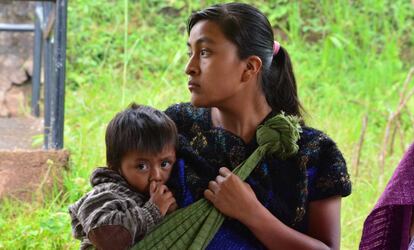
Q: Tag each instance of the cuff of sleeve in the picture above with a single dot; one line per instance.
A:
(342, 188)
(152, 211)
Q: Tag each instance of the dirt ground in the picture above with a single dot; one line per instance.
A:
(27, 175)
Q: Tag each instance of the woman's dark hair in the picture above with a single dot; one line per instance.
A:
(251, 32)
(138, 128)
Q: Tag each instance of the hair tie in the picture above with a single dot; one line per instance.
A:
(276, 47)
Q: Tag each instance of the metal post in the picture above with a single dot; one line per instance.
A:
(37, 60)
(48, 75)
(54, 54)
(60, 70)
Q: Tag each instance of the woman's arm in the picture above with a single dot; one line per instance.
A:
(237, 200)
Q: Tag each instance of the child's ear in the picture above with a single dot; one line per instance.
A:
(120, 172)
(253, 67)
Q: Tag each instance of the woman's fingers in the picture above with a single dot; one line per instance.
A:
(220, 179)
(228, 192)
(213, 186)
(209, 195)
(225, 172)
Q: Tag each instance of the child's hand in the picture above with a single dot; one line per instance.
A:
(172, 208)
(161, 197)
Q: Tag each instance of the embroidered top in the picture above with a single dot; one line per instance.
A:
(284, 187)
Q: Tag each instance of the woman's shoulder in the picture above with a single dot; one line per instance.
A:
(326, 167)
(185, 114)
(318, 148)
(311, 138)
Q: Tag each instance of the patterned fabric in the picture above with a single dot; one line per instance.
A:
(194, 226)
(284, 187)
(112, 202)
(388, 225)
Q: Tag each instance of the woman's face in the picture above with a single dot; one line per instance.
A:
(214, 68)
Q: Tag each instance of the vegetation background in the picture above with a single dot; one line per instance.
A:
(351, 59)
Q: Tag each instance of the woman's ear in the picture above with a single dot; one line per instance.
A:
(253, 67)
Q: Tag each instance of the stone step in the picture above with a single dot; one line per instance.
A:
(18, 132)
(30, 174)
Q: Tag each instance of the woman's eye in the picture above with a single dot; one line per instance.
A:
(204, 52)
(165, 164)
(189, 53)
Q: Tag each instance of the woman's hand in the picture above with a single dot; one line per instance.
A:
(231, 196)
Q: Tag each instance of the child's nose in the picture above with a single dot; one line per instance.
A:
(156, 174)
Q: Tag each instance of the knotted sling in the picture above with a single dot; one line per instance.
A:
(194, 226)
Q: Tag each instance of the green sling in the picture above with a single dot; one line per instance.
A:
(194, 226)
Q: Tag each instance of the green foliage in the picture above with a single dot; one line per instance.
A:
(350, 59)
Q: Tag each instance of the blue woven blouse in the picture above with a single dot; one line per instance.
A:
(284, 187)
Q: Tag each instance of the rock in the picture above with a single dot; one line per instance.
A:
(16, 52)
(18, 76)
(28, 66)
(5, 83)
(16, 102)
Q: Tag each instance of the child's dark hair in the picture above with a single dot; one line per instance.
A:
(247, 28)
(140, 128)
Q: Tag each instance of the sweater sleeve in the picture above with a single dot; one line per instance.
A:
(110, 208)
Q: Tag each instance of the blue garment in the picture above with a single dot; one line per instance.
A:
(284, 187)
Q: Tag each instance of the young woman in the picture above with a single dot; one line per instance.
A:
(238, 78)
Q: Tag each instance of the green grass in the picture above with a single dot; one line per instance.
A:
(350, 60)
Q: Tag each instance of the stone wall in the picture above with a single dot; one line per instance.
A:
(16, 52)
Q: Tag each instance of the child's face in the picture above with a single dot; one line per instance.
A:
(139, 169)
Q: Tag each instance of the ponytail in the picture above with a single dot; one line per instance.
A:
(279, 85)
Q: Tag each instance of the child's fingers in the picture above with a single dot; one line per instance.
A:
(173, 202)
(163, 189)
(153, 187)
(168, 195)
(173, 206)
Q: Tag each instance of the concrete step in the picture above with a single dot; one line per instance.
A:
(18, 132)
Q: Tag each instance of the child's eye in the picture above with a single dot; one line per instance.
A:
(165, 164)
(142, 166)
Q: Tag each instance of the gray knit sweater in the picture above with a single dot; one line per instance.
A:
(112, 201)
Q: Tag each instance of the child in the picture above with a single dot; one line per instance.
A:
(129, 196)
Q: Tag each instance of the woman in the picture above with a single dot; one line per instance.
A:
(238, 78)
(390, 225)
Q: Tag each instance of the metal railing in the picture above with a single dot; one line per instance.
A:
(50, 43)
